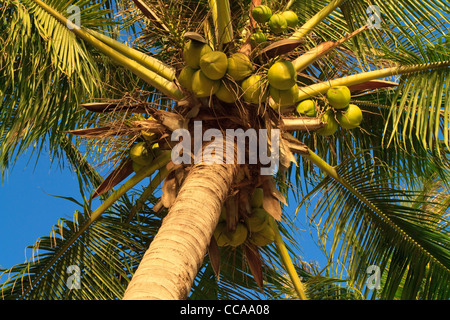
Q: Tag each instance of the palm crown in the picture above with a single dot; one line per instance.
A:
(381, 148)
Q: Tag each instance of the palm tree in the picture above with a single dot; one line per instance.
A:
(381, 184)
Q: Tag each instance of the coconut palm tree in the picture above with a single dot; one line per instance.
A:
(381, 174)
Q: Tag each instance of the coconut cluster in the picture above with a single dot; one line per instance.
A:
(337, 111)
(231, 77)
(145, 150)
(256, 228)
(208, 72)
(277, 22)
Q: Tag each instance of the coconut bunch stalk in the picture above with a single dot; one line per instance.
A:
(152, 77)
(221, 16)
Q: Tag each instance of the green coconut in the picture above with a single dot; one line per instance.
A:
(277, 23)
(339, 97)
(307, 107)
(351, 117)
(282, 75)
(228, 91)
(239, 235)
(223, 238)
(330, 126)
(193, 51)
(148, 136)
(185, 77)
(257, 220)
(136, 166)
(261, 13)
(257, 38)
(256, 200)
(140, 154)
(214, 64)
(263, 237)
(253, 89)
(284, 98)
(291, 18)
(239, 66)
(202, 86)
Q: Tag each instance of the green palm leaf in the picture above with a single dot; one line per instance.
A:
(376, 223)
(44, 73)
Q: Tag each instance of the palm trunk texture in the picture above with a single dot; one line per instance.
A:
(174, 257)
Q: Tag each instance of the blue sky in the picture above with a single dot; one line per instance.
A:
(27, 210)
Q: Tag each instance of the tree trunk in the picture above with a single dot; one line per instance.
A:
(174, 257)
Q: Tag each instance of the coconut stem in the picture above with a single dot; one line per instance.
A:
(289, 4)
(287, 262)
(321, 88)
(158, 163)
(221, 16)
(147, 61)
(322, 49)
(225, 28)
(314, 21)
(150, 14)
(301, 124)
(323, 165)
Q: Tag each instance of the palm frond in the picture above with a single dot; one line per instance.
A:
(45, 72)
(410, 35)
(421, 103)
(375, 222)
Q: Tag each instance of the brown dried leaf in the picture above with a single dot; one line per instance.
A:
(271, 200)
(280, 47)
(180, 175)
(275, 192)
(294, 144)
(373, 84)
(104, 107)
(100, 132)
(150, 14)
(115, 177)
(195, 36)
(214, 256)
(158, 207)
(286, 155)
(99, 106)
(232, 207)
(168, 119)
(149, 125)
(254, 262)
(244, 202)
